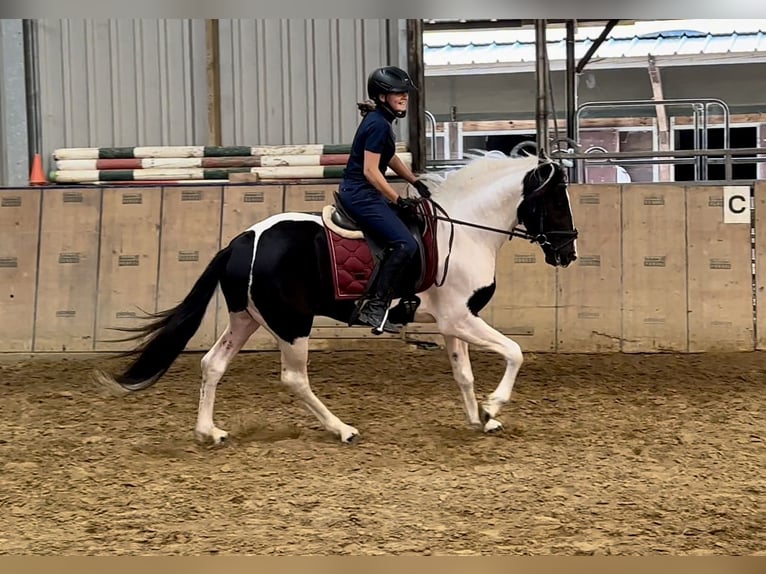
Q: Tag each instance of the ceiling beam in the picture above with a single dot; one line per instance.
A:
(595, 46)
(491, 24)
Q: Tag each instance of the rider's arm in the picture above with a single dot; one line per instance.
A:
(375, 177)
(401, 169)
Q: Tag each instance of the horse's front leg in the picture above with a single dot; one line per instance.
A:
(476, 331)
(457, 350)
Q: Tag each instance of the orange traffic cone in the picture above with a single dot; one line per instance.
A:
(37, 177)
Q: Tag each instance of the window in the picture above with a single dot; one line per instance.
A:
(739, 137)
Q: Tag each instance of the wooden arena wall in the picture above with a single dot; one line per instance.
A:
(659, 267)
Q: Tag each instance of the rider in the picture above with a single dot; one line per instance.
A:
(369, 198)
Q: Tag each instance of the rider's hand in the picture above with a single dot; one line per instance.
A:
(408, 202)
(422, 189)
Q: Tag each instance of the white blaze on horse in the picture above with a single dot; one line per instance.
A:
(287, 269)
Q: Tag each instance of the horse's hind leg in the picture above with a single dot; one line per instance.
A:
(214, 365)
(295, 376)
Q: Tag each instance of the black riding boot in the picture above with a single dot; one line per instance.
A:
(372, 309)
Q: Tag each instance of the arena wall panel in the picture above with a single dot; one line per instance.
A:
(129, 258)
(19, 235)
(654, 268)
(68, 272)
(720, 275)
(589, 317)
(309, 198)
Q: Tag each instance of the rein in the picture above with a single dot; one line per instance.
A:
(515, 232)
(541, 238)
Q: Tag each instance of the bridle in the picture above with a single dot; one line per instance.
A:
(542, 238)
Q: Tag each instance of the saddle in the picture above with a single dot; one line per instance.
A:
(354, 254)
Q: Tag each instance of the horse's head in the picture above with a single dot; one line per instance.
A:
(546, 214)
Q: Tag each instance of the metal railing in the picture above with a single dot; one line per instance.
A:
(596, 156)
(432, 120)
(701, 157)
(700, 111)
(729, 157)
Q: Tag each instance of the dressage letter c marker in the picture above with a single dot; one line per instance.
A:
(736, 204)
(731, 204)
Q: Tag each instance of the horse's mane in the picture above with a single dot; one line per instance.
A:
(481, 166)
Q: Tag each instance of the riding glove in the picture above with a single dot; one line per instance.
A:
(407, 202)
(422, 189)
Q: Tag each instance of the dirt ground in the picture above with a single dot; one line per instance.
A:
(613, 454)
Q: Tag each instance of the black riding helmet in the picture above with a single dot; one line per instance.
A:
(389, 80)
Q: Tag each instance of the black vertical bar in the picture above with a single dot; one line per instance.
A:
(32, 81)
(541, 69)
(417, 106)
(571, 89)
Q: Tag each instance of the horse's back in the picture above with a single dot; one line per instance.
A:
(288, 216)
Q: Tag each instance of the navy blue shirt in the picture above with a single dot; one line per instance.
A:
(375, 134)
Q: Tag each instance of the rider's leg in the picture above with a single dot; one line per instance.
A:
(378, 218)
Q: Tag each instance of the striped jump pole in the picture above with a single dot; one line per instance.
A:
(106, 175)
(203, 151)
(210, 162)
(200, 174)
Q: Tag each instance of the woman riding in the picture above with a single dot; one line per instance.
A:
(367, 197)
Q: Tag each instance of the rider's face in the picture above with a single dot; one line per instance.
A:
(398, 102)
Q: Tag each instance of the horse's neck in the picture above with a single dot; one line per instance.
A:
(488, 210)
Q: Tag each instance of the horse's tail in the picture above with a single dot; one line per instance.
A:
(167, 336)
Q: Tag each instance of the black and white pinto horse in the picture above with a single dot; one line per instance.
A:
(275, 275)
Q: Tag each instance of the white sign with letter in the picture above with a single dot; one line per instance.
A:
(736, 204)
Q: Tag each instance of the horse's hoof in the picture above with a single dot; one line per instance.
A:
(484, 415)
(216, 437)
(349, 435)
(493, 426)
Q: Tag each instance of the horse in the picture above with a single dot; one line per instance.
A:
(280, 273)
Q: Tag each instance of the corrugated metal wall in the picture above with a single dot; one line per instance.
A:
(122, 82)
(14, 165)
(297, 81)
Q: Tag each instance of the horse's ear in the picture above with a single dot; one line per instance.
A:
(546, 171)
(540, 177)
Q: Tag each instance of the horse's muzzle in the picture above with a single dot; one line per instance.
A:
(559, 259)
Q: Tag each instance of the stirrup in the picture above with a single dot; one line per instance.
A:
(353, 319)
(385, 326)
